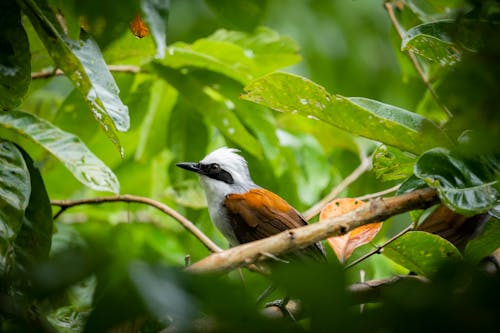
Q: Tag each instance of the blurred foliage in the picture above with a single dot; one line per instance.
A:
(213, 73)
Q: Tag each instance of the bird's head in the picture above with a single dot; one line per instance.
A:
(222, 172)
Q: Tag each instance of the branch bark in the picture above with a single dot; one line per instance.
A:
(188, 225)
(376, 210)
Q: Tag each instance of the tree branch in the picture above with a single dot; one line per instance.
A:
(390, 11)
(188, 225)
(362, 168)
(112, 68)
(376, 210)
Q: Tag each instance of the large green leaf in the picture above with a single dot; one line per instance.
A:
(66, 147)
(372, 119)
(83, 63)
(421, 252)
(465, 184)
(14, 190)
(214, 107)
(487, 242)
(156, 16)
(392, 164)
(239, 14)
(32, 244)
(433, 42)
(237, 55)
(15, 66)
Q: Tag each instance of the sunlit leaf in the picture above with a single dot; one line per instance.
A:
(15, 190)
(487, 242)
(15, 66)
(372, 119)
(83, 64)
(66, 147)
(421, 252)
(392, 164)
(237, 55)
(156, 15)
(465, 184)
(433, 42)
(344, 245)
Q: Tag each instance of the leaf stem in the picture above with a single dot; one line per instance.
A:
(112, 68)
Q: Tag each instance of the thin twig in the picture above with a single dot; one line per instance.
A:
(390, 11)
(112, 68)
(362, 168)
(188, 225)
(378, 194)
(379, 248)
(294, 239)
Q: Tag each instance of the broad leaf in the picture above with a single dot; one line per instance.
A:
(237, 55)
(487, 242)
(239, 14)
(66, 147)
(15, 66)
(32, 244)
(433, 42)
(14, 190)
(465, 184)
(372, 119)
(344, 245)
(156, 15)
(83, 64)
(392, 164)
(421, 252)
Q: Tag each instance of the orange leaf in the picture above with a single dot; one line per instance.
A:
(138, 27)
(344, 245)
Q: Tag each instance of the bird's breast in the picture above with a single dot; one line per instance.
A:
(220, 218)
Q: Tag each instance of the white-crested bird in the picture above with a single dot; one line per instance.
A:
(239, 208)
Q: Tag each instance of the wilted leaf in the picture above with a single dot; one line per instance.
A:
(156, 15)
(15, 66)
(374, 120)
(83, 64)
(392, 164)
(487, 242)
(421, 252)
(138, 27)
(66, 147)
(15, 190)
(465, 184)
(344, 245)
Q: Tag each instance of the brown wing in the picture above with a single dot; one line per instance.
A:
(260, 213)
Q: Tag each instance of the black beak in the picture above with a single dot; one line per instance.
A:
(190, 166)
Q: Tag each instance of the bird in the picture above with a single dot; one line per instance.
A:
(242, 210)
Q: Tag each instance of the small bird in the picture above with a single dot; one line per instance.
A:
(239, 208)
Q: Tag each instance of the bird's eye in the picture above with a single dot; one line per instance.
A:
(214, 167)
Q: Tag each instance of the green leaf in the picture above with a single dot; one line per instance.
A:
(237, 55)
(83, 64)
(14, 190)
(487, 242)
(372, 119)
(32, 244)
(66, 147)
(465, 184)
(421, 252)
(432, 9)
(214, 107)
(433, 42)
(156, 16)
(392, 164)
(15, 66)
(239, 14)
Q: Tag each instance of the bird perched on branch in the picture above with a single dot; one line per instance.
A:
(239, 208)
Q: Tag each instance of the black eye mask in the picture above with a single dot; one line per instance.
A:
(214, 171)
